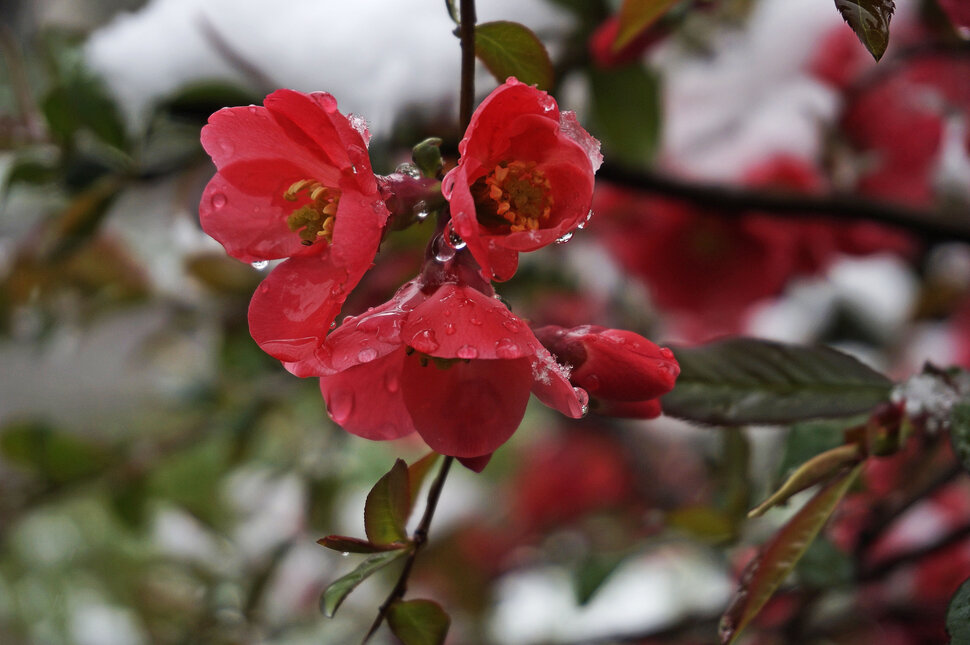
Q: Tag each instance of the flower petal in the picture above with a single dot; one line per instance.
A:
(551, 385)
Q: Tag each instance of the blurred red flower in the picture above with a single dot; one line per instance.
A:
(524, 178)
(294, 181)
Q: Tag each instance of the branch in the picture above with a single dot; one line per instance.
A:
(418, 540)
(931, 225)
(467, 33)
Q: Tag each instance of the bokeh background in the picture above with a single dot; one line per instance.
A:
(163, 481)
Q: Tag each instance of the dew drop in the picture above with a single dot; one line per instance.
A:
(333, 325)
(367, 354)
(218, 200)
(666, 353)
(424, 341)
(409, 169)
(467, 352)
(506, 348)
(585, 221)
(476, 321)
(565, 238)
(259, 265)
(583, 398)
(341, 405)
(511, 325)
(450, 329)
(345, 553)
(443, 252)
(327, 102)
(420, 210)
(452, 238)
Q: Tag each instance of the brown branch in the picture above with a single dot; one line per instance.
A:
(467, 33)
(931, 225)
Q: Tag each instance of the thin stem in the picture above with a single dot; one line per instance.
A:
(932, 225)
(467, 33)
(418, 540)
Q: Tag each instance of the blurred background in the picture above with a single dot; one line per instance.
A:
(163, 481)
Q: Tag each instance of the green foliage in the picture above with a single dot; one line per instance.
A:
(869, 19)
(805, 440)
(55, 455)
(746, 381)
(960, 431)
(388, 506)
(593, 571)
(958, 615)
(510, 49)
(335, 594)
(626, 112)
(418, 622)
(824, 565)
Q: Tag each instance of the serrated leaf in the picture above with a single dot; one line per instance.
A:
(335, 594)
(746, 381)
(869, 20)
(418, 622)
(417, 473)
(777, 558)
(814, 471)
(960, 432)
(635, 16)
(510, 49)
(388, 506)
(626, 112)
(958, 615)
(346, 544)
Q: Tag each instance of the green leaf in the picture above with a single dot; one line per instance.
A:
(511, 49)
(958, 615)
(592, 572)
(452, 7)
(80, 101)
(334, 595)
(55, 455)
(960, 432)
(869, 20)
(417, 473)
(743, 381)
(636, 16)
(626, 112)
(193, 103)
(703, 522)
(824, 565)
(418, 622)
(814, 471)
(777, 558)
(805, 440)
(388, 506)
(346, 544)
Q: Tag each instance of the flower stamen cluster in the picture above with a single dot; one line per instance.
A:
(515, 192)
(315, 219)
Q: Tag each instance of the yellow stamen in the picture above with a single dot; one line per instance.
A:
(515, 194)
(315, 219)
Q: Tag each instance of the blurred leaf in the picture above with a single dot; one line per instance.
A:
(129, 500)
(418, 622)
(30, 171)
(195, 102)
(452, 7)
(334, 595)
(626, 111)
(814, 471)
(958, 615)
(221, 273)
(824, 565)
(777, 558)
(83, 215)
(703, 522)
(189, 476)
(55, 455)
(346, 544)
(592, 572)
(417, 473)
(511, 49)
(960, 432)
(869, 20)
(743, 381)
(387, 507)
(805, 440)
(636, 16)
(80, 101)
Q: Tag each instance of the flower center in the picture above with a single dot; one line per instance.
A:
(313, 220)
(516, 194)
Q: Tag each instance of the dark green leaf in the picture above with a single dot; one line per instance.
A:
(388, 506)
(777, 558)
(960, 432)
(593, 571)
(195, 102)
(869, 20)
(418, 622)
(958, 615)
(334, 595)
(452, 7)
(824, 565)
(816, 470)
(417, 472)
(55, 455)
(626, 112)
(511, 49)
(346, 544)
(805, 440)
(30, 171)
(743, 381)
(81, 102)
(636, 16)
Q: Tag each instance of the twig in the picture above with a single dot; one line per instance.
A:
(467, 32)
(932, 225)
(418, 540)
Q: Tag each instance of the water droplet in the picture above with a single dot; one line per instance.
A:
(467, 352)
(424, 341)
(583, 224)
(511, 324)
(583, 398)
(409, 169)
(565, 238)
(333, 325)
(218, 200)
(592, 383)
(452, 238)
(391, 382)
(666, 353)
(507, 348)
(353, 169)
(367, 354)
(420, 210)
(443, 252)
(345, 553)
(259, 265)
(476, 321)
(450, 329)
(341, 405)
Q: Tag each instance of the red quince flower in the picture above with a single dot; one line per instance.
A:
(294, 181)
(524, 178)
(607, 57)
(622, 372)
(446, 360)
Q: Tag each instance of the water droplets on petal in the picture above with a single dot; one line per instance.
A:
(260, 265)
(565, 237)
(585, 221)
(367, 354)
(450, 329)
(467, 352)
(341, 405)
(218, 200)
(425, 341)
(452, 238)
(507, 348)
(409, 169)
(583, 399)
(443, 252)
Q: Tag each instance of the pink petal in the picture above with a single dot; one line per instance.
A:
(551, 385)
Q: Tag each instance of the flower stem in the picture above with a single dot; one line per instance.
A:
(467, 33)
(418, 540)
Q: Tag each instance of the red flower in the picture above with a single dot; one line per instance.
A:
(524, 179)
(294, 181)
(447, 361)
(601, 43)
(623, 372)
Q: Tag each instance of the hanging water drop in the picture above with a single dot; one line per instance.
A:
(420, 210)
(585, 221)
(452, 238)
(341, 405)
(409, 169)
(583, 399)
(443, 252)
(666, 353)
(565, 238)
(259, 265)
